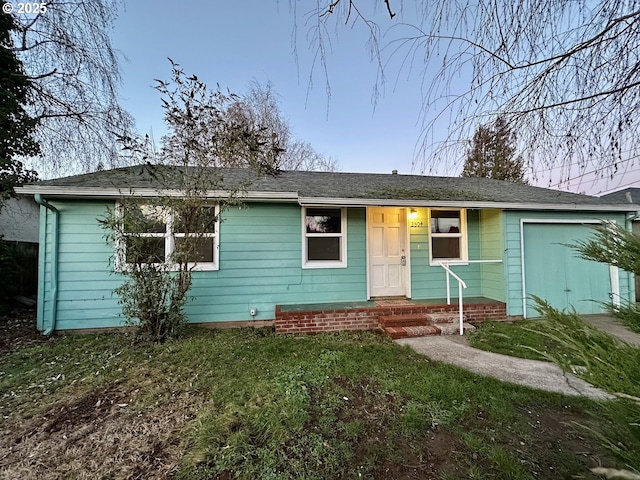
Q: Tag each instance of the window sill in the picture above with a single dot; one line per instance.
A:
(454, 262)
(204, 268)
(316, 265)
(194, 268)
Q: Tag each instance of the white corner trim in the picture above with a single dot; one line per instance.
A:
(614, 276)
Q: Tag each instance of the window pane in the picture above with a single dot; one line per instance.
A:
(145, 249)
(202, 220)
(144, 219)
(196, 249)
(445, 221)
(323, 248)
(445, 247)
(323, 220)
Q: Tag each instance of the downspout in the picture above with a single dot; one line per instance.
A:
(54, 264)
(630, 276)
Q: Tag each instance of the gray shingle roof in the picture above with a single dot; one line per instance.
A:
(338, 185)
(621, 196)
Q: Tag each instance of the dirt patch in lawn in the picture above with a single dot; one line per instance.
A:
(555, 445)
(427, 456)
(558, 434)
(98, 435)
(424, 458)
(18, 330)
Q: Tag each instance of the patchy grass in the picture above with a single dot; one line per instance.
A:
(251, 404)
(572, 343)
(579, 348)
(521, 338)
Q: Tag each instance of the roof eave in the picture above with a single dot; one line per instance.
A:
(272, 196)
(101, 193)
(372, 202)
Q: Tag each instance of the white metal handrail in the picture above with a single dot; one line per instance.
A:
(461, 284)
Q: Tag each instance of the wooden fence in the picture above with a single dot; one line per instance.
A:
(23, 277)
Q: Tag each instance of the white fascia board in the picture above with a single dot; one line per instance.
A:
(372, 202)
(92, 192)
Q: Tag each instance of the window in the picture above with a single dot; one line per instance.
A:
(153, 234)
(203, 249)
(448, 235)
(324, 238)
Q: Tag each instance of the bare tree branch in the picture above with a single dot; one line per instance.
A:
(68, 55)
(565, 75)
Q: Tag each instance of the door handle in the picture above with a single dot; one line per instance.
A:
(403, 260)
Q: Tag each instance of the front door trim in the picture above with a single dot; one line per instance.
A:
(407, 250)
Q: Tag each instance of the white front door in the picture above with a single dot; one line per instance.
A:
(387, 255)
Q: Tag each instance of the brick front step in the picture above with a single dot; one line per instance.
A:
(405, 332)
(426, 330)
(407, 320)
(446, 317)
(335, 317)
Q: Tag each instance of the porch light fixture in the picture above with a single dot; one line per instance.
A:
(413, 214)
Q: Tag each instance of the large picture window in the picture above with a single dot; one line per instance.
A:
(448, 230)
(324, 237)
(154, 234)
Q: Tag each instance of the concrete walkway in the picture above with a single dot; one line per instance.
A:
(531, 373)
(613, 327)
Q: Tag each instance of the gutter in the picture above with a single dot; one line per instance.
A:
(97, 192)
(277, 196)
(372, 202)
(54, 264)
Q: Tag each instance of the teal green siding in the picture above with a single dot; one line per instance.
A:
(429, 282)
(260, 266)
(84, 279)
(575, 280)
(492, 248)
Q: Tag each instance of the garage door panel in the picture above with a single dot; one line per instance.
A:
(554, 273)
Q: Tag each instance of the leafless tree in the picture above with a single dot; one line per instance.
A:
(564, 74)
(260, 106)
(69, 57)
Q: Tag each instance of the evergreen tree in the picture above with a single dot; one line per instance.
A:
(16, 126)
(493, 155)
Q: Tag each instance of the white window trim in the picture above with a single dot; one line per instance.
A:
(464, 239)
(342, 235)
(169, 245)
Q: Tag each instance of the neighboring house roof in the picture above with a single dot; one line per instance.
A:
(332, 188)
(627, 195)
